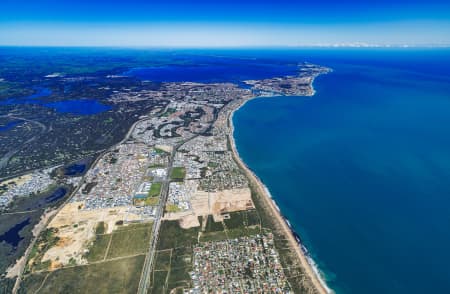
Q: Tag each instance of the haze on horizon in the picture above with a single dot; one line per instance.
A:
(231, 23)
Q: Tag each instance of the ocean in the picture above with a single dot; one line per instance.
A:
(362, 169)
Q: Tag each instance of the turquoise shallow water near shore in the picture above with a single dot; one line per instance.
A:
(362, 169)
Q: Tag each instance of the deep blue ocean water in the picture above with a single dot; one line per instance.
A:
(209, 70)
(362, 169)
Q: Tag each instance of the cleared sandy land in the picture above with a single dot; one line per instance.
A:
(215, 203)
(231, 200)
(189, 221)
(76, 229)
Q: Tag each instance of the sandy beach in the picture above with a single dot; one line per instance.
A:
(309, 268)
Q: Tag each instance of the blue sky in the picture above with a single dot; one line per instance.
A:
(218, 23)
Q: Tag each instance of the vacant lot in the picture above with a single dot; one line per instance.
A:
(77, 228)
(158, 285)
(178, 174)
(98, 249)
(163, 260)
(130, 241)
(173, 236)
(115, 265)
(117, 276)
(173, 259)
(155, 190)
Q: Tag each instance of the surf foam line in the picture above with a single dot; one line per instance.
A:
(312, 263)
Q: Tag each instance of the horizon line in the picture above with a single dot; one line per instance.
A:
(331, 46)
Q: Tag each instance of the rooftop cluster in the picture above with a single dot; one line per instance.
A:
(243, 265)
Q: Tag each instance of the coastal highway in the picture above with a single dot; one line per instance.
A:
(144, 282)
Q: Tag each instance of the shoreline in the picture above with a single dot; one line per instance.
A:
(310, 267)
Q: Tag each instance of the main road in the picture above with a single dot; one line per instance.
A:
(144, 283)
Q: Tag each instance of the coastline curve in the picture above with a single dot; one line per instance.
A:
(306, 260)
